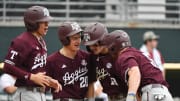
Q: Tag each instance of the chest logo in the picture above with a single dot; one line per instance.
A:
(37, 47)
(63, 66)
(108, 65)
(83, 62)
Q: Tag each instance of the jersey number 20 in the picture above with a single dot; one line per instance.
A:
(83, 82)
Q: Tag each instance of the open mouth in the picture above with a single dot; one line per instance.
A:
(46, 29)
(77, 45)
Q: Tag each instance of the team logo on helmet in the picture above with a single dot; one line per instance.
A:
(86, 37)
(124, 35)
(63, 66)
(75, 26)
(46, 12)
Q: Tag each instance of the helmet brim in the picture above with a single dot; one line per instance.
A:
(88, 43)
(45, 19)
(74, 32)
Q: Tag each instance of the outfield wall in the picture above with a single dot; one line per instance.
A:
(168, 43)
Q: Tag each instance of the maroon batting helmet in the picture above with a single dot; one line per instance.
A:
(68, 29)
(116, 41)
(35, 14)
(94, 33)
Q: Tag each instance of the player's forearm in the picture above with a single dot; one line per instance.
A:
(134, 80)
(15, 71)
(10, 89)
(90, 93)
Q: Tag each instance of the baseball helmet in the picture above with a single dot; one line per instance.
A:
(67, 29)
(36, 14)
(94, 33)
(116, 41)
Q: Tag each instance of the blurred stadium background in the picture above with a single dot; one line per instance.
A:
(134, 16)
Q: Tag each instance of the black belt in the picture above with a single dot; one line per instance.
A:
(157, 86)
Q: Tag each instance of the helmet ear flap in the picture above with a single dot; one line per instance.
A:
(31, 27)
(112, 49)
(36, 26)
(66, 41)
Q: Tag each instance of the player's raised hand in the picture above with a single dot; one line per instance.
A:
(55, 84)
(40, 79)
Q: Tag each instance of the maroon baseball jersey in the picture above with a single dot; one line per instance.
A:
(105, 72)
(71, 73)
(150, 73)
(26, 53)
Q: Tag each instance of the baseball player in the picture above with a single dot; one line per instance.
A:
(26, 58)
(69, 65)
(139, 72)
(93, 35)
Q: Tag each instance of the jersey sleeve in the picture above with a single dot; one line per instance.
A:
(17, 53)
(124, 64)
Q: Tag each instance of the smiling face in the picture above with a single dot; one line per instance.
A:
(75, 42)
(43, 28)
